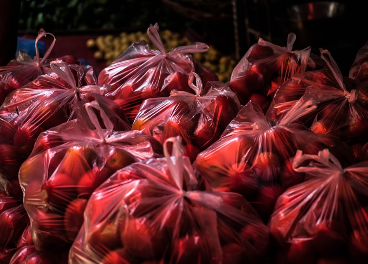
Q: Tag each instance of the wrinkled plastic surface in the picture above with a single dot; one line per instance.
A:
(198, 120)
(159, 211)
(323, 220)
(253, 156)
(46, 102)
(141, 73)
(67, 164)
(264, 67)
(24, 69)
(30, 255)
(342, 102)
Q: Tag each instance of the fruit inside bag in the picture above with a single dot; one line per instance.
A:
(159, 211)
(46, 102)
(253, 157)
(264, 68)
(342, 102)
(67, 164)
(141, 73)
(198, 119)
(24, 69)
(30, 255)
(359, 69)
(323, 220)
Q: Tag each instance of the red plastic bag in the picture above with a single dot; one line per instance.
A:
(24, 69)
(325, 219)
(30, 255)
(198, 119)
(67, 164)
(359, 69)
(140, 73)
(342, 102)
(159, 211)
(253, 156)
(264, 68)
(46, 102)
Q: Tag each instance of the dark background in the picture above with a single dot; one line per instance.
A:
(231, 26)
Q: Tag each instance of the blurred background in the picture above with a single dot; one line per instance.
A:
(97, 31)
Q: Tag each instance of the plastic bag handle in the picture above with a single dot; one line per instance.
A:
(290, 41)
(153, 35)
(298, 111)
(331, 63)
(324, 157)
(42, 33)
(175, 160)
(196, 48)
(64, 72)
(198, 87)
(93, 118)
(289, 44)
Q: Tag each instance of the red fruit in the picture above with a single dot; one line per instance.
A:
(289, 177)
(118, 256)
(357, 149)
(266, 165)
(59, 190)
(47, 141)
(26, 238)
(22, 253)
(69, 59)
(261, 100)
(40, 258)
(12, 223)
(178, 125)
(48, 231)
(142, 239)
(177, 81)
(234, 253)
(191, 152)
(52, 114)
(190, 249)
(25, 138)
(320, 127)
(257, 52)
(204, 73)
(206, 133)
(105, 236)
(9, 161)
(265, 200)
(55, 158)
(328, 241)
(75, 164)
(91, 180)
(118, 159)
(8, 202)
(301, 252)
(257, 235)
(73, 219)
(177, 221)
(7, 132)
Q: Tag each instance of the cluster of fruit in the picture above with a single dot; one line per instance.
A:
(197, 176)
(110, 48)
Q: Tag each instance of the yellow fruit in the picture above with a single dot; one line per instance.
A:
(98, 55)
(91, 43)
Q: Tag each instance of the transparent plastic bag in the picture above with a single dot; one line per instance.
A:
(24, 69)
(264, 68)
(67, 164)
(323, 220)
(30, 255)
(141, 73)
(359, 68)
(253, 156)
(198, 119)
(159, 211)
(46, 102)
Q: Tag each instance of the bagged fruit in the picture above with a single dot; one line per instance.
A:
(141, 73)
(24, 69)
(342, 102)
(46, 102)
(198, 119)
(159, 211)
(359, 69)
(253, 157)
(264, 68)
(67, 164)
(324, 219)
(30, 255)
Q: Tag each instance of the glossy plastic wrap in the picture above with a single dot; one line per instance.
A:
(253, 156)
(198, 119)
(324, 219)
(67, 164)
(159, 211)
(141, 73)
(342, 102)
(30, 255)
(46, 102)
(359, 69)
(24, 69)
(264, 67)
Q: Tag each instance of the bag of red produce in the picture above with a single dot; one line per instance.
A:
(342, 102)
(253, 156)
(24, 69)
(30, 255)
(359, 69)
(141, 73)
(67, 164)
(325, 219)
(46, 102)
(264, 67)
(159, 211)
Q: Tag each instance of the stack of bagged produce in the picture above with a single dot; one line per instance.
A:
(79, 184)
